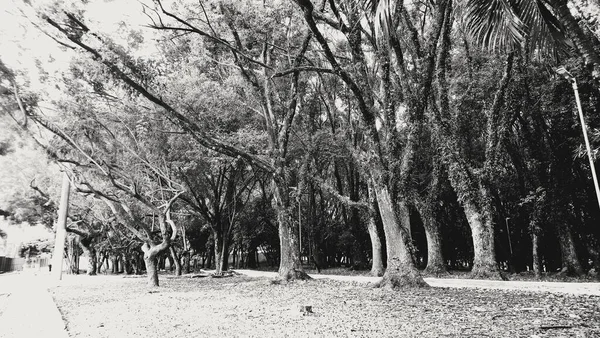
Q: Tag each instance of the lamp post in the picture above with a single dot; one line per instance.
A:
(564, 73)
(59, 244)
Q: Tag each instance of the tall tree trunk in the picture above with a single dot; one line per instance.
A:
(251, 260)
(582, 42)
(290, 266)
(115, 264)
(535, 252)
(570, 261)
(435, 259)
(401, 270)
(221, 252)
(482, 232)
(186, 261)
(176, 259)
(128, 263)
(376, 249)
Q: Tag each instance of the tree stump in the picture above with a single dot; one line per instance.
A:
(306, 309)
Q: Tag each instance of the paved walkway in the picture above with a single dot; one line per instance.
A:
(27, 309)
(555, 287)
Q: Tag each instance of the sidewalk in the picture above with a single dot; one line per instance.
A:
(29, 310)
(554, 287)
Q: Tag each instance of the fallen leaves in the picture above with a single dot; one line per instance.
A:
(247, 307)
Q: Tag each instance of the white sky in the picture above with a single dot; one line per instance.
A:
(21, 44)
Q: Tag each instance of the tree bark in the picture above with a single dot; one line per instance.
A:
(290, 266)
(435, 259)
(580, 40)
(220, 255)
(401, 270)
(187, 261)
(377, 255)
(115, 264)
(176, 260)
(151, 264)
(482, 232)
(535, 253)
(570, 261)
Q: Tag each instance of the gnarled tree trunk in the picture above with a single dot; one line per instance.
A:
(401, 270)
(151, 264)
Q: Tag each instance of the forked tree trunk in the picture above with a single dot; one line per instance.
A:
(377, 254)
(570, 261)
(401, 270)
(151, 253)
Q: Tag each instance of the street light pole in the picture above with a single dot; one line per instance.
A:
(562, 71)
(59, 243)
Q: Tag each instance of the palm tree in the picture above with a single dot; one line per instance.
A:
(547, 26)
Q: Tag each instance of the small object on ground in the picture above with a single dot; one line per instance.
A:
(199, 275)
(306, 309)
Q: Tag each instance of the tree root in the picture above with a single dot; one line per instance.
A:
(493, 274)
(436, 271)
(402, 280)
(291, 275)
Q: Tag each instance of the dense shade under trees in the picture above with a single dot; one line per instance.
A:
(405, 137)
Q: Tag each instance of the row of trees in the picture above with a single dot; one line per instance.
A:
(379, 129)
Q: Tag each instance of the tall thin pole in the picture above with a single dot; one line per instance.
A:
(587, 141)
(300, 229)
(61, 232)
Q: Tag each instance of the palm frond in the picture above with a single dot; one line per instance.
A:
(501, 24)
(494, 24)
(543, 29)
(383, 12)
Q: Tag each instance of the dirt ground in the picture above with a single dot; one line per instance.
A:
(244, 306)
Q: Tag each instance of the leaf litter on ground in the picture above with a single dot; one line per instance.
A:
(241, 306)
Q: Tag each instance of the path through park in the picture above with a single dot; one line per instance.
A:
(27, 309)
